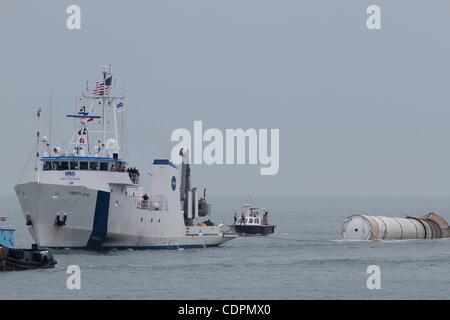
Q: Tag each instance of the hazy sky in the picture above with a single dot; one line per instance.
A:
(360, 112)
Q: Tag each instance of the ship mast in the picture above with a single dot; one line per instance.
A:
(100, 95)
(37, 170)
(105, 71)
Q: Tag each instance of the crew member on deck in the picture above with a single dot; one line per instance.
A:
(266, 218)
(145, 199)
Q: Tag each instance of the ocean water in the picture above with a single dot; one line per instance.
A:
(303, 259)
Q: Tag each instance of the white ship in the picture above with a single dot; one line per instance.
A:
(86, 196)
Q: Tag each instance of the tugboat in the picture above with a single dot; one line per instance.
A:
(253, 221)
(12, 259)
(24, 259)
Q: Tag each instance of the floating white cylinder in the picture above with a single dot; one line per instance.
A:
(365, 227)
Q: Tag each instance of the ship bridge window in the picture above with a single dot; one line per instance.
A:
(93, 166)
(250, 220)
(64, 165)
(74, 165)
(47, 166)
(103, 166)
(83, 165)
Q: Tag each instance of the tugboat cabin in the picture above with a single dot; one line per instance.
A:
(255, 216)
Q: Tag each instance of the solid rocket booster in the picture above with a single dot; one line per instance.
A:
(365, 227)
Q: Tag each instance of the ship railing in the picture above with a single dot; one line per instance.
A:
(144, 204)
(148, 205)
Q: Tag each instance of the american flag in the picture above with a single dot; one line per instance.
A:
(103, 88)
(2, 219)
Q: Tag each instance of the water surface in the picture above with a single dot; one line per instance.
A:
(304, 259)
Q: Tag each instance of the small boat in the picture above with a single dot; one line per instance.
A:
(12, 258)
(253, 221)
(24, 259)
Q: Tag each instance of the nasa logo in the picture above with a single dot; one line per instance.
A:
(70, 173)
(174, 183)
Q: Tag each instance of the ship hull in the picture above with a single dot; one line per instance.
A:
(254, 229)
(101, 220)
(25, 259)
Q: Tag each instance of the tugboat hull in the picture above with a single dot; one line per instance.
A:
(24, 259)
(255, 229)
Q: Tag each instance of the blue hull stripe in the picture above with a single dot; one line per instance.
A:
(100, 226)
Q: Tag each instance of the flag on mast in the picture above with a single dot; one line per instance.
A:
(103, 87)
(119, 106)
(82, 110)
